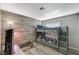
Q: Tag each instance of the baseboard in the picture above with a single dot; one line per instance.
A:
(73, 51)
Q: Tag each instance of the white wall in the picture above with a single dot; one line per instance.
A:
(78, 30)
(72, 22)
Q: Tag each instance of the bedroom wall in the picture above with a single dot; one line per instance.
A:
(78, 29)
(24, 27)
(72, 21)
(0, 30)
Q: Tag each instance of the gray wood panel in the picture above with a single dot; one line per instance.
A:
(22, 24)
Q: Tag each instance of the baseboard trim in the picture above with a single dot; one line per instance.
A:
(73, 51)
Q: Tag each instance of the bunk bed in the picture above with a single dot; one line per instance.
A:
(56, 38)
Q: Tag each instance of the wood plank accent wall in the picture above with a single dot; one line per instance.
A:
(0, 30)
(24, 27)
